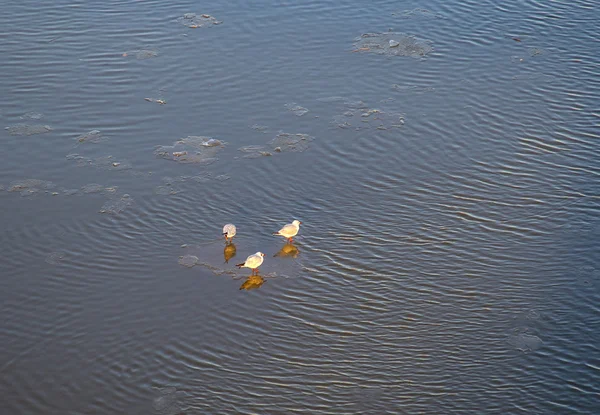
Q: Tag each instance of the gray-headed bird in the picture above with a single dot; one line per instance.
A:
(229, 231)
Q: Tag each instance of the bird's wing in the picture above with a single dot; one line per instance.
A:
(253, 261)
(288, 229)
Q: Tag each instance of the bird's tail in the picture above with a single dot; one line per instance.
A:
(240, 265)
(275, 233)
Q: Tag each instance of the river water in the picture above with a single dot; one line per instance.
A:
(448, 260)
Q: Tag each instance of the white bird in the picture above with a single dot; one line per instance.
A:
(229, 231)
(290, 230)
(253, 262)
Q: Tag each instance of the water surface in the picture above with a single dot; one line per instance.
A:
(448, 260)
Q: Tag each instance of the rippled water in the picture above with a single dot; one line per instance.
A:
(448, 260)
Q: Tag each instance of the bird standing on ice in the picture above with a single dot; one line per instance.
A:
(253, 262)
(289, 231)
(229, 231)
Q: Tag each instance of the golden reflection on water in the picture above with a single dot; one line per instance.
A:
(229, 251)
(288, 250)
(252, 282)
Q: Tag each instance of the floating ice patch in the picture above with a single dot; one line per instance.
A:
(535, 51)
(418, 13)
(284, 142)
(32, 116)
(588, 276)
(347, 102)
(251, 152)
(28, 129)
(262, 128)
(69, 192)
(93, 136)
(98, 188)
(524, 342)
(145, 54)
(174, 185)
(192, 149)
(296, 109)
(156, 100)
(141, 54)
(54, 258)
(28, 187)
(105, 162)
(524, 335)
(213, 256)
(392, 44)
(413, 88)
(116, 206)
(196, 21)
(358, 116)
(166, 402)
(188, 261)
(217, 258)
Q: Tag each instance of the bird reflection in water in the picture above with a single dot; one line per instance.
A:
(229, 251)
(252, 282)
(288, 250)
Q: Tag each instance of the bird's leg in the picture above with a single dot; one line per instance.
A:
(290, 240)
